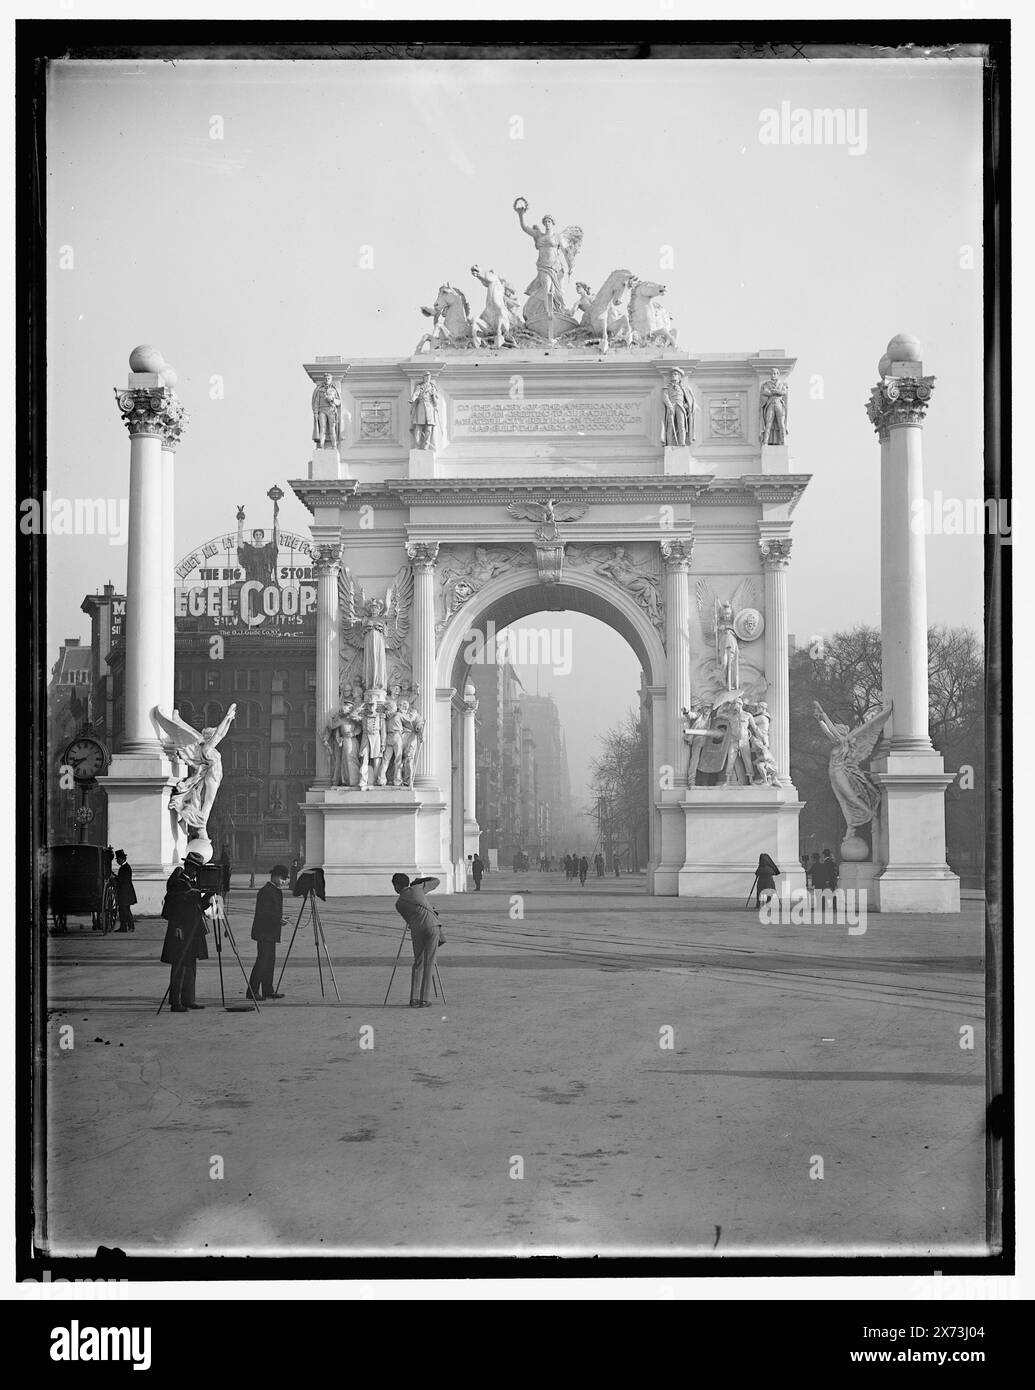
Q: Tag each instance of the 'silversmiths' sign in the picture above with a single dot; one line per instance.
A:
(549, 415)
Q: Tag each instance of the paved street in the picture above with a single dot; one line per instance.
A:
(795, 1048)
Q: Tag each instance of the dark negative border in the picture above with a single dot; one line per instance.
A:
(40, 41)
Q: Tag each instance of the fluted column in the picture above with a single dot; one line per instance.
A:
(897, 407)
(470, 763)
(776, 555)
(152, 413)
(170, 442)
(677, 555)
(423, 555)
(327, 566)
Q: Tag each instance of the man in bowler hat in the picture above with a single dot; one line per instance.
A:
(266, 927)
(184, 943)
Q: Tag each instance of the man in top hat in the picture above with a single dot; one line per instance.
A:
(184, 945)
(125, 892)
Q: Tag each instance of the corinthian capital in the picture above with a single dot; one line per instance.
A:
(326, 560)
(152, 410)
(678, 554)
(775, 553)
(899, 400)
(423, 554)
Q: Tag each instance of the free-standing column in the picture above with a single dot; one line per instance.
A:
(910, 831)
(423, 555)
(170, 442)
(776, 554)
(328, 564)
(470, 761)
(151, 410)
(897, 409)
(677, 555)
(138, 779)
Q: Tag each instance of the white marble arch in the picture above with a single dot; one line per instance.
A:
(517, 594)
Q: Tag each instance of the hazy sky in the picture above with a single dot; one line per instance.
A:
(240, 258)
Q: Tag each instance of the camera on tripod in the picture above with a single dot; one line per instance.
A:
(311, 881)
(210, 878)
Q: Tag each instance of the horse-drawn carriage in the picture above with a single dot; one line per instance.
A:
(76, 883)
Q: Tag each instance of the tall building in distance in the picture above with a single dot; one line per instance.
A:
(70, 698)
(523, 794)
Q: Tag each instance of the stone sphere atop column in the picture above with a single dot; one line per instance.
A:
(884, 366)
(146, 359)
(905, 348)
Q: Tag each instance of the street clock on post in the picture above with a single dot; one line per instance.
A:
(87, 757)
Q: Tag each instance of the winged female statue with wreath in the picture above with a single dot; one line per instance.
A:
(371, 628)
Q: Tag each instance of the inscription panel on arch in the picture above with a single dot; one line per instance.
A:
(615, 416)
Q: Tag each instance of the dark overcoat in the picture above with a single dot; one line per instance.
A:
(269, 913)
(127, 894)
(767, 871)
(185, 905)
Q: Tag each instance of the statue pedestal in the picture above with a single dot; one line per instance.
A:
(776, 458)
(680, 461)
(326, 463)
(860, 878)
(140, 822)
(727, 828)
(422, 463)
(361, 839)
(916, 877)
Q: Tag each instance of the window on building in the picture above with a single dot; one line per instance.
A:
(212, 679)
(280, 680)
(245, 757)
(308, 757)
(213, 714)
(310, 680)
(310, 715)
(246, 805)
(246, 679)
(251, 715)
(181, 679)
(187, 712)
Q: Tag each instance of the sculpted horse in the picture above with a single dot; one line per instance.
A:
(650, 322)
(497, 318)
(452, 322)
(604, 313)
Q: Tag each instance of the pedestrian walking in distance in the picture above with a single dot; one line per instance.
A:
(583, 870)
(477, 869)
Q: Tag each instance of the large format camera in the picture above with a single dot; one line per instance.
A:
(311, 881)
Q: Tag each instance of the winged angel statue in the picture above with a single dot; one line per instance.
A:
(728, 622)
(193, 798)
(371, 628)
(857, 794)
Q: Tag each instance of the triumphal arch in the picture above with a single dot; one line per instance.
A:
(556, 450)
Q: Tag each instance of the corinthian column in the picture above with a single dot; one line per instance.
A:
(170, 442)
(423, 555)
(327, 566)
(909, 834)
(677, 555)
(897, 407)
(776, 555)
(151, 413)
